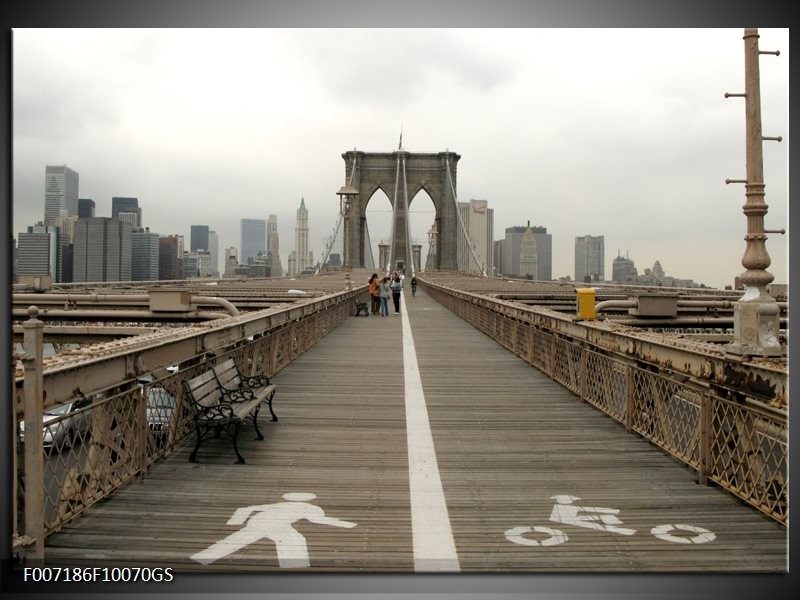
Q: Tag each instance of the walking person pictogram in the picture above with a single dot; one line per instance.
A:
(274, 522)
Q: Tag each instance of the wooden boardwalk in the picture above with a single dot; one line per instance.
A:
(505, 439)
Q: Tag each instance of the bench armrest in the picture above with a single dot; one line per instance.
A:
(255, 381)
(217, 412)
(236, 394)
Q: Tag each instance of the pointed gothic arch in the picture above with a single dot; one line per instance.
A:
(402, 175)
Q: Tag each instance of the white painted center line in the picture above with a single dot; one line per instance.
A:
(434, 547)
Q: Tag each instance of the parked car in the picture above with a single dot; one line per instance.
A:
(160, 406)
(63, 425)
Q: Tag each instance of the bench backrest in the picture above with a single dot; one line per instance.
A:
(227, 374)
(204, 389)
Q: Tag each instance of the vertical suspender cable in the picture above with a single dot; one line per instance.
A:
(470, 243)
(329, 247)
(394, 217)
(409, 253)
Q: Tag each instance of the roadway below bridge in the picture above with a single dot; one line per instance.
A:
(415, 443)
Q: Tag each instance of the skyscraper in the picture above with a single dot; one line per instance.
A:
(66, 226)
(541, 245)
(144, 255)
(254, 238)
(623, 269)
(479, 222)
(60, 193)
(303, 258)
(273, 245)
(213, 250)
(38, 251)
(121, 204)
(198, 238)
(589, 258)
(102, 250)
(529, 255)
(86, 208)
(170, 258)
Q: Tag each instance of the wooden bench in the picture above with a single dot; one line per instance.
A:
(221, 403)
(235, 383)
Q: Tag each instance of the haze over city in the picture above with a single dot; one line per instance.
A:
(623, 133)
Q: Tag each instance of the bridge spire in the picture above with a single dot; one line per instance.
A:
(400, 145)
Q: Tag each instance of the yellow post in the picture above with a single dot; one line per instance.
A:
(585, 303)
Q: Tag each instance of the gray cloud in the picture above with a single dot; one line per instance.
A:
(618, 132)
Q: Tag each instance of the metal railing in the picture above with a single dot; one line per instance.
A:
(96, 439)
(688, 405)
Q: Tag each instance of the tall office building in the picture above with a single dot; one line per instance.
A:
(590, 257)
(529, 255)
(512, 252)
(127, 209)
(273, 246)
(190, 265)
(497, 264)
(145, 248)
(478, 219)
(213, 250)
(181, 245)
(66, 227)
(170, 257)
(131, 218)
(253, 238)
(60, 193)
(38, 251)
(102, 250)
(198, 238)
(86, 208)
(623, 269)
(303, 258)
(231, 262)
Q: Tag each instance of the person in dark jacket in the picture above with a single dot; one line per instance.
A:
(397, 288)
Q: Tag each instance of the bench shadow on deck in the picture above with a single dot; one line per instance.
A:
(507, 439)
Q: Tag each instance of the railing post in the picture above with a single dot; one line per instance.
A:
(705, 439)
(630, 405)
(583, 373)
(142, 429)
(34, 449)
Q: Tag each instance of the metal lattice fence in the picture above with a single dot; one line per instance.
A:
(737, 444)
(94, 444)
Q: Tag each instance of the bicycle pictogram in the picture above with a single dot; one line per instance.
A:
(601, 519)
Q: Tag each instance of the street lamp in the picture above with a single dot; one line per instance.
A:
(432, 250)
(346, 194)
(756, 315)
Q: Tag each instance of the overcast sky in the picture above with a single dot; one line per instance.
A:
(617, 132)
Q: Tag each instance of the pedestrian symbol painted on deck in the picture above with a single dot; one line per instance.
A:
(599, 518)
(274, 522)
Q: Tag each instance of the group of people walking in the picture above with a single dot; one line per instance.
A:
(381, 289)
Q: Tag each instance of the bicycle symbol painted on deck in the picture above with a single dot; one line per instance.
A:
(601, 519)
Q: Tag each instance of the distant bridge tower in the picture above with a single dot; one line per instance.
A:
(402, 175)
(416, 253)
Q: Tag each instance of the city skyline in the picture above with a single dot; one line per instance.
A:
(585, 138)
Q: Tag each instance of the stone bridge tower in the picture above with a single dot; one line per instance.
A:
(401, 175)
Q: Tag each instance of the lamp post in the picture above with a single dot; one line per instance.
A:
(432, 250)
(346, 194)
(756, 314)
